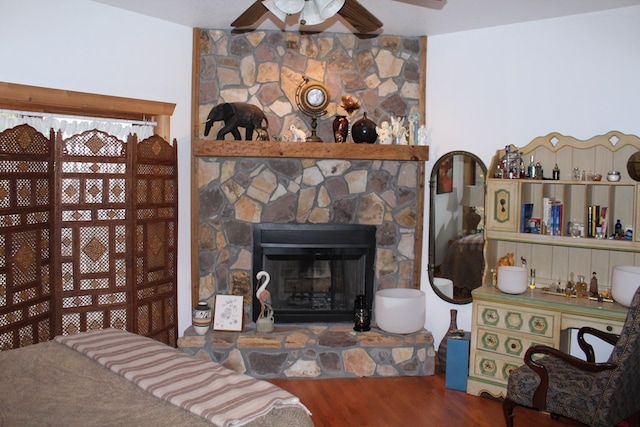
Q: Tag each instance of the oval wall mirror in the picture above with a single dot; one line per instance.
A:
(456, 223)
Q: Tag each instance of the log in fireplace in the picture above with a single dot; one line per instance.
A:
(316, 269)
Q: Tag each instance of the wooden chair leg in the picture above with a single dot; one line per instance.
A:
(507, 408)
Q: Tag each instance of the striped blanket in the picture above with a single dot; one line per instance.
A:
(204, 388)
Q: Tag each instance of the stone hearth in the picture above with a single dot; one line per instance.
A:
(316, 351)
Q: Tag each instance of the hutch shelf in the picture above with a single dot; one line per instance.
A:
(503, 326)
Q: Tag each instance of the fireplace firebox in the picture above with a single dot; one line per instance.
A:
(316, 270)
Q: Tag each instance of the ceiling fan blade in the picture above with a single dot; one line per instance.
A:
(425, 3)
(359, 17)
(251, 15)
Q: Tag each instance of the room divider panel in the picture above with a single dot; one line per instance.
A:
(89, 235)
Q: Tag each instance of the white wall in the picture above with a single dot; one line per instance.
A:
(507, 85)
(485, 88)
(85, 46)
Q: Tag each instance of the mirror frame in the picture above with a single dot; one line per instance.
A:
(432, 237)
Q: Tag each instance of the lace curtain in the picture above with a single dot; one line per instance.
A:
(72, 125)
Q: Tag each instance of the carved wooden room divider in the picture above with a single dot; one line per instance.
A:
(88, 235)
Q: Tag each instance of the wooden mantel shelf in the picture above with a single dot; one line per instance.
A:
(315, 150)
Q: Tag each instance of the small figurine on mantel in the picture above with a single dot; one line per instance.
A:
(297, 135)
(414, 120)
(264, 322)
(384, 133)
(399, 132)
(423, 135)
(262, 134)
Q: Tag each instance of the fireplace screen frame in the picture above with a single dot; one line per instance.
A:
(274, 239)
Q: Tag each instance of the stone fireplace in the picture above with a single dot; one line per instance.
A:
(241, 187)
(316, 270)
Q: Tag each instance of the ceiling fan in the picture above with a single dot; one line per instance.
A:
(312, 12)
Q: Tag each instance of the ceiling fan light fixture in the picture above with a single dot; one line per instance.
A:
(289, 7)
(310, 15)
(269, 4)
(328, 8)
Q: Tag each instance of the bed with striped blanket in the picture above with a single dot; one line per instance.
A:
(111, 377)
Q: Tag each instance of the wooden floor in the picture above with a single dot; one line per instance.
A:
(403, 401)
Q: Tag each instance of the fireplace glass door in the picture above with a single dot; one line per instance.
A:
(316, 271)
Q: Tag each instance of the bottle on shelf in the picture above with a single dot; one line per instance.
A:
(569, 288)
(532, 279)
(531, 172)
(575, 174)
(618, 230)
(539, 171)
(556, 173)
(593, 285)
(581, 288)
(508, 165)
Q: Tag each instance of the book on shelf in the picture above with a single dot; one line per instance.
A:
(557, 214)
(546, 215)
(603, 221)
(593, 219)
(552, 216)
(525, 217)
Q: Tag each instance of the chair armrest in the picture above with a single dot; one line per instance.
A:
(540, 395)
(587, 348)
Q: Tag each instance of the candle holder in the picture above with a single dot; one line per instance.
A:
(361, 314)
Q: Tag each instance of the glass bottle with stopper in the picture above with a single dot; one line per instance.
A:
(581, 288)
(531, 172)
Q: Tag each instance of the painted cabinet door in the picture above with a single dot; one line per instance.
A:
(502, 203)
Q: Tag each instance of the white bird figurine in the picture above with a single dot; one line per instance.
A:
(263, 295)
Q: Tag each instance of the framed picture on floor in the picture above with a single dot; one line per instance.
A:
(228, 313)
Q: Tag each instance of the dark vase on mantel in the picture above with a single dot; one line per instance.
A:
(340, 128)
(452, 331)
(364, 131)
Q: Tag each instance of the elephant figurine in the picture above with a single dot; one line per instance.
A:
(234, 115)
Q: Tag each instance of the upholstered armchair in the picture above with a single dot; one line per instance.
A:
(596, 394)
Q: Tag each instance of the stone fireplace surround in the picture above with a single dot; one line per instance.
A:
(238, 184)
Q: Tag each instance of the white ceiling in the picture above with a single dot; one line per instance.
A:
(400, 17)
